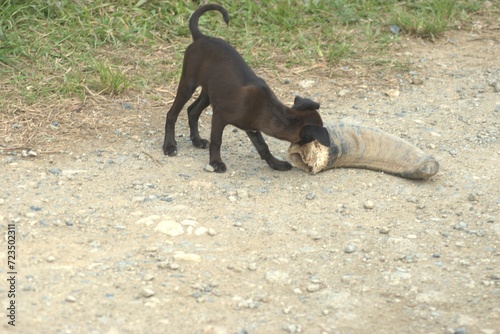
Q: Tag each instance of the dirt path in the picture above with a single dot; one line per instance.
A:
(259, 251)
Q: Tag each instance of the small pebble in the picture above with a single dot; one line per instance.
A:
(209, 168)
(310, 196)
(146, 292)
(242, 193)
(51, 259)
(170, 227)
(163, 265)
(189, 222)
(394, 29)
(293, 328)
(392, 93)
(252, 267)
(349, 249)
(408, 259)
(412, 199)
(472, 198)
(190, 257)
(55, 171)
(211, 232)
(138, 199)
(70, 299)
(313, 287)
(343, 92)
(417, 81)
(384, 230)
(307, 83)
(368, 205)
(148, 277)
(314, 235)
(496, 88)
(200, 231)
(173, 266)
(460, 226)
(151, 249)
(166, 198)
(278, 277)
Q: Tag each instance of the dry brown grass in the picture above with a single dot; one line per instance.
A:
(52, 124)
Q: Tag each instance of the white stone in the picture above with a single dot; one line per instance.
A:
(71, 172)
(392, 93)
(146, 292)
(200, 230)
(189, 222)
(307, 83)
(169, 227)
(278, 277)
(187, 256)
(150, 220)
(368, 205)
(313, 287)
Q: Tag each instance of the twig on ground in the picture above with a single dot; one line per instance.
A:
(152, 158)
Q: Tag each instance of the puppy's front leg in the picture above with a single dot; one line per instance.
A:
(194, 112)
(218, 126)
(184, 93)
(261, 146)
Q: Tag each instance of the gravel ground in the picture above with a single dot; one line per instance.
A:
(114, 237)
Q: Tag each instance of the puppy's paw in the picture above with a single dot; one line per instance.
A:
(170, 150)
(279, 165)
(200, 143)
(219, 167)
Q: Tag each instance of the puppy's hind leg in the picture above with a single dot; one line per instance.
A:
(184, 93)
(194, 112)
(218, 125)
(263, 149)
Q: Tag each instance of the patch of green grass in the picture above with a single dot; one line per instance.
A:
(63, 48)
(427, 19)
(111, 81)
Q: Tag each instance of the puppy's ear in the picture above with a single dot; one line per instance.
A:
(302, 104)
(310, 133)
(297, 99)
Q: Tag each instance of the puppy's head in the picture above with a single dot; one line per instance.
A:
(313, 125)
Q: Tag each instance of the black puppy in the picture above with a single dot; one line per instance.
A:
(238, 97)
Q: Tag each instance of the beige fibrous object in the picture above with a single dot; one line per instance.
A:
(358, 146)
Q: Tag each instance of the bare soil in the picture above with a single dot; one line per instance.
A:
(255, 250)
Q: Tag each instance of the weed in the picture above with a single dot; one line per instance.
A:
(111, 81)
(427, 19)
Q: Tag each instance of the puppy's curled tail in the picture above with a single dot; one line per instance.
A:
(193, 21)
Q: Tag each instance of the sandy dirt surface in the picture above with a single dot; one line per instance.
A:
(114, 237)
